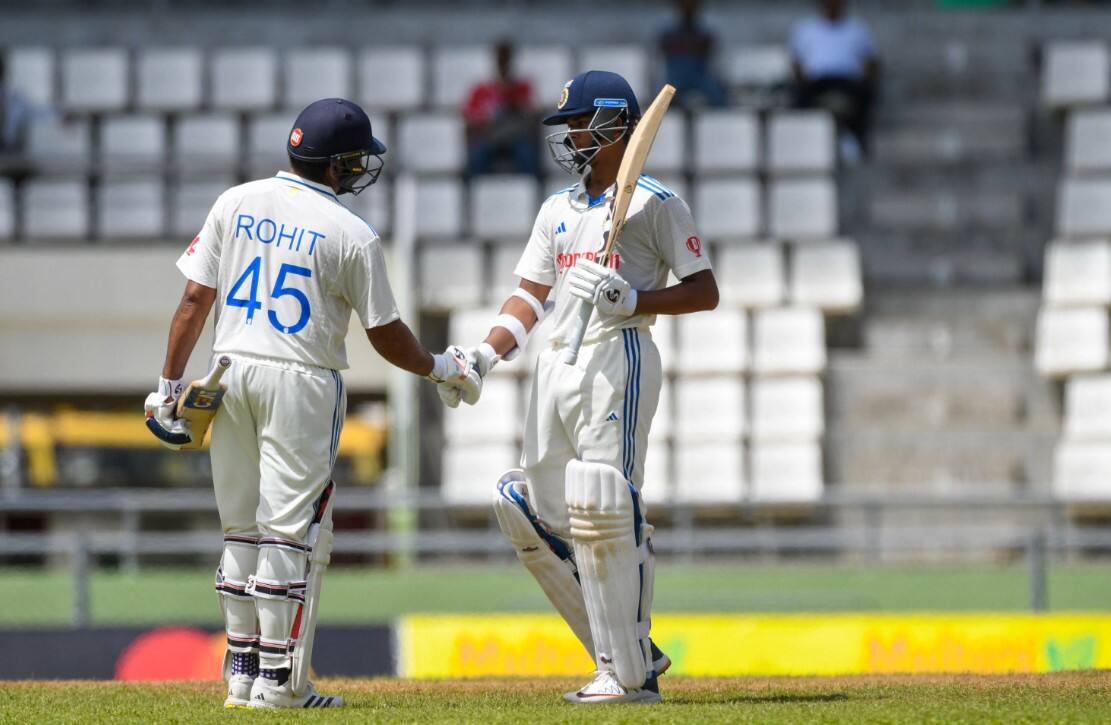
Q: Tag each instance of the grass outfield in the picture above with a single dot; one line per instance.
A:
(944, 699)
(355, 596)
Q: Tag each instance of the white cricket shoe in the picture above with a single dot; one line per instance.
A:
(267, 695)
(605, 689)
(239, 691)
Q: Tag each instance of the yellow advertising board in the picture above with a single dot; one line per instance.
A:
(792, 644)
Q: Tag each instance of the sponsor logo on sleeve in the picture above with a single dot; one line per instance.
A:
(695, 245)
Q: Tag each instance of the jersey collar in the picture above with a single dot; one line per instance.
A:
(581, 196)
(295, 179)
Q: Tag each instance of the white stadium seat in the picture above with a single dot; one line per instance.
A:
(1076, 73)
(1084, 207)
(804, 208)
(1088, 408)
(63, 146)
(440, 208)
(709, 473)
(657, 487)
(1078, 272)
(751, 275)
(503, 261)
(801, 141)
(206, 144)
(629, 61)
(95, 79)
(786, 472)
(757, 65)
(314, 73)
(787, 409)
(663, 423)
(457, 69)
(132, 209)
(56, 209)
(267, 136)
(710, 409)
(170, 79)
(130, 143)
(498, 419)
(827, 275)
(190, 202)
(431, 143)
(471, 471)
(726, 141)
(663, 337)
(244, 79)
(503, 207)
(1071, 340)
(1082, 470)
(450, 276)
(713, 342)
(391, 78)
(7, 209)
(669, 150)
(788, 340)
(31, 72)
(547, 68)
(374, 205)
(1088, 141)
(727, 209)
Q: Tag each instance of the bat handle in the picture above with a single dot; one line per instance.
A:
(571, 352)
(217, 372)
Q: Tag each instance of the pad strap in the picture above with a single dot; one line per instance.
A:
(242, 642)
(270, 589)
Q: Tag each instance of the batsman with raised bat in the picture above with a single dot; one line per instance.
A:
(574, 514)
(285, 264)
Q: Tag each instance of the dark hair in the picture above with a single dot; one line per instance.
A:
(309, 171)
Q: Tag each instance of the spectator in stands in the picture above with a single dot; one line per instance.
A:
(836, 67)
(501, 127)
(16, 113)
(688, 50)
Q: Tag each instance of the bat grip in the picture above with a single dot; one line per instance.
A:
(571, 353)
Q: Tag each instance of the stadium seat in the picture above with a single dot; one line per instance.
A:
(827, 275)
(1071, 340)
(31, 72)
(1077, 273)
(1082, 470)
(547, 68)
(244, 79)
(503, 260)
(440, 203)
(787, 409)
(786, 472)
(801, 141)
(95, 79)
(751, 275)
(503, 207)
(391, 79)
(132, 209)
(629, 61)
(757, 65)
(374, 205)
(190, 202)
(470, 471)
(431, 143)
(663, 423)
(726, 141)
(1075, 73)
(169, 79)
(802, 209)
(710, 409)
(663, 336)
(656, 489)
(203, 145)
(788, 340)
(727, 209)
(669, 150)
(7, 209)
(133, 143)
(456, 70)
(1084, 207)
(713, 342)
(498, 419)
(314, 73)
(1088, 408)
(267, 136)
(451, 276)
(56, 209)
(1088, 141)
(709, 473)
(60, 146)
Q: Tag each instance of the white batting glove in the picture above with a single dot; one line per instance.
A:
(159, 408)
(601, 286)
(456, 370)
(484, 359)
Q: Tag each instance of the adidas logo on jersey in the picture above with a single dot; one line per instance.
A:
(612, 417)
(562, 228)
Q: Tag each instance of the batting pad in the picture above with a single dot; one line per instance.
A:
(548, 558)
(601, 506)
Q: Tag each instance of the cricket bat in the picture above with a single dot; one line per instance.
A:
(201, 400)
(632, 164)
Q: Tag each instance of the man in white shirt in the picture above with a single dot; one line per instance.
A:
(285, 264)
(574, 513)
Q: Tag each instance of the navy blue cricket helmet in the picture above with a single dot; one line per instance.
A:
(336, 132)
(608, 100)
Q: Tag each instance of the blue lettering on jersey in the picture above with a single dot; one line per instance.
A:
(269, 231)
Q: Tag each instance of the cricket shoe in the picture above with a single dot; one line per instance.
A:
(267, 695)
(239, 691)
(660, 661)
(604, 689)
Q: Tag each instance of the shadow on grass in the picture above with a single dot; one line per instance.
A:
(741, 699)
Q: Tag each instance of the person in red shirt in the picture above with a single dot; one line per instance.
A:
(500, 121)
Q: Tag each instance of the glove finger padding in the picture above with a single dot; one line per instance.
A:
(170, 431)
(449, 395)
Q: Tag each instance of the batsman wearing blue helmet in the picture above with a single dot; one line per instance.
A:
(573, 512)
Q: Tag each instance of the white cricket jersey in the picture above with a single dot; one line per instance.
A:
(289, 263)
(659, 236)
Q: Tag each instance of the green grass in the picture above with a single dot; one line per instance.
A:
(949, 700)
(366, 595)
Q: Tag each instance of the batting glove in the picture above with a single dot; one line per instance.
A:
(484, 359)
(601, 286)
(159, 408)
(456, 370)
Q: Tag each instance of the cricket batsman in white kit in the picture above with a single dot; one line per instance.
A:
(285, 264)
(574, 513)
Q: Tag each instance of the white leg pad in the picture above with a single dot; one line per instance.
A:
(549, 558)
(237, 565)
(601, 507)
(279, 590)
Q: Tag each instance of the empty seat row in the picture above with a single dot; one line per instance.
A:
(1084, 206)
(1071, 340)
(1077, 272)
(1082, 470)
(1076, 73)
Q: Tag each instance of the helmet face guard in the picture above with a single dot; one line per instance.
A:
(607, 126)
(355, 166)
